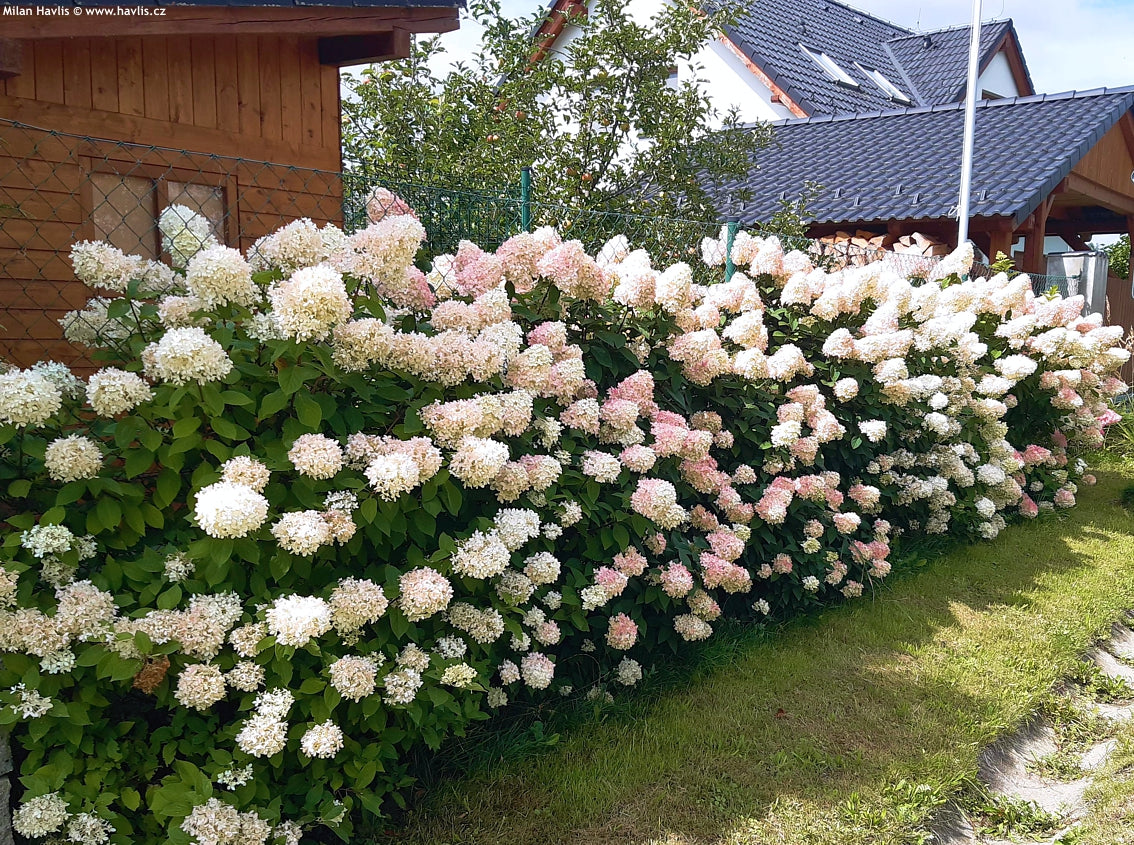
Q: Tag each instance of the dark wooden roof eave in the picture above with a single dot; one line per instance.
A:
(318, 21)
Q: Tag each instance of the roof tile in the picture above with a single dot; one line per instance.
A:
(905, 163)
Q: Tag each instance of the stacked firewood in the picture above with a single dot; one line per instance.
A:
(865, 247)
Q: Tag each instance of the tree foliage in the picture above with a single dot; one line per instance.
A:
(597, 116)
(1119, 254)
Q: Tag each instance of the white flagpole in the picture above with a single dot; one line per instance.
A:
(970, 127)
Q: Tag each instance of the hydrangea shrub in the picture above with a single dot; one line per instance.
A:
(318, 507)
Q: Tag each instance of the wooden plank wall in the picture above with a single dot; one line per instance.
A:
(1110, 162)
(1120, 312)
(232, 100)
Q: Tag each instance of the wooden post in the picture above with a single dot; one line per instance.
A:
(1000, 240)
(1033, 249)
(1130, 235)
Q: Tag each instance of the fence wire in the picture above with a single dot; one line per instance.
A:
(58, 188)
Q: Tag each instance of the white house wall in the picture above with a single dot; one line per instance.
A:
(724, 77)
(997, 78)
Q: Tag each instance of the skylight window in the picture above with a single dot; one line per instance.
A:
(830, 67)
(888, 88)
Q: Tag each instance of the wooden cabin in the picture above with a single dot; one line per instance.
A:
(230, 110)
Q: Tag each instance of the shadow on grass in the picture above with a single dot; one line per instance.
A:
(912, 683)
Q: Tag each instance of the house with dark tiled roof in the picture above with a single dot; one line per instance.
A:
(872, 112)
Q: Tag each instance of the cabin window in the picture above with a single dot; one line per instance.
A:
(124, 201)
(830, 67)
(885, 85)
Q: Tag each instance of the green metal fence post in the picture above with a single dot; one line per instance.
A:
(733, 226)
(526, 199)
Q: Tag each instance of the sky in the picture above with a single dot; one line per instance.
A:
(1068, 44)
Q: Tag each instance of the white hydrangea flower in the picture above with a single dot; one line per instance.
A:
(219, 275)
(296, 620)
(184, 233)
(112, 391)
(226, 510)
(185, 355)
(323, 740)
(72, 458)
(311, 303)
(28, 398)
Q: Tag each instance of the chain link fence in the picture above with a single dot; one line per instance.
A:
(488, 215)
(58, 188)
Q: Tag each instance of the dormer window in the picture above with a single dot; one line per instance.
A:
(830, 67)
(888, 88)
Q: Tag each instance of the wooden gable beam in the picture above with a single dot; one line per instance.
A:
(343, 50)
(778, 94)
(561, 14)
(1015, 57)
(1102, 195)
(11, 58)
(1126, 124)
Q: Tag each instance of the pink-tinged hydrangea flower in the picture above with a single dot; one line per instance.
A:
(846, 523)
(691, 628)
(424, 592)
(703, 475)
(656, 542)
(612, 581)
(553, 335)
(630, 562)
(805, 449)
(531, 369)
(656, 500)
(1064, 498)
(639, 389)
(382, 203)
(475, 271)
(622, 632)
(717, 572)
(865, 496)
(703, 519)
(316, 456)
(676, 580)
(537, 670)
(781, 564)
(772, 506)
(1028, 507)
(704, 606)
(575, 273)
(726, 544)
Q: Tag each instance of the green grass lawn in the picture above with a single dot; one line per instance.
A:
(849, 726)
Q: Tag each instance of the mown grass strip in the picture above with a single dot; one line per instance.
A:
(849, 726)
